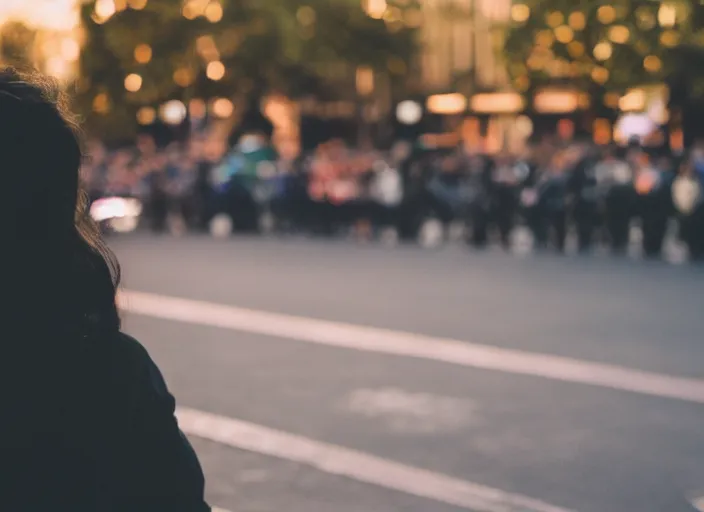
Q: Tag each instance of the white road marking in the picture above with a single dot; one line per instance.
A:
(370, 339)
(404, 412)
(356, 465)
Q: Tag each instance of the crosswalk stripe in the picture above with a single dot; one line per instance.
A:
(355, 465)
(384, 341)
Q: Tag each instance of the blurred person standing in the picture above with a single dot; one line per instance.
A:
(537, 162)
(584, 198)
(654, 201)
(543, 196)
(386, 194)
(416, 171)
(552, 203)
(201, 194)
(614, 176)
(506, 178)
(118, 178)
(446, 188)
(88, 421)
(94, 170)
(688, 195)
(479, 195)
(157, 180)
(180, 174)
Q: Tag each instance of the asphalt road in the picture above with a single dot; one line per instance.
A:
(522, 432)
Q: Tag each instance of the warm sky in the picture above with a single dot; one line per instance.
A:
(53, 14)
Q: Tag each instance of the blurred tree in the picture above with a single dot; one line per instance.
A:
(241, 49)
(603, 45)
(16, 44)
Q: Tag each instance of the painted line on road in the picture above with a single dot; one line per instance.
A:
(371, 339)
(356, 465)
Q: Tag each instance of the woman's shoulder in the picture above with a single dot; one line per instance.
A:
(127, 361)
(131, 376)
(130, 352)
(127, 345)
(120, 348)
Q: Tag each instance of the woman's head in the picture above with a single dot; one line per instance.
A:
(55, 257)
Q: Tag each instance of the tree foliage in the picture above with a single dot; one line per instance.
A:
(16, 42)
(292, 46)
(611, 44)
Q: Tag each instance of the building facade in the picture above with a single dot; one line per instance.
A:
(461, 44)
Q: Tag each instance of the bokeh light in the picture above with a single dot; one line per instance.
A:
(619, 34)
(375, 8)
(101, 103)
(59, 15)
(137, 5)
(564, 34)
(606, 14)
(577, 20)
(603, 50)
(173, 112)
(214, 12)
(146, 116)
(600, 75)
(183, 77)
(216, 70)
(143, 53)
(104, 9)
(520, 13)
(667, 15)
(652, 64)
(555, 19)
(223, 108)
(133, 82)
(70, 49)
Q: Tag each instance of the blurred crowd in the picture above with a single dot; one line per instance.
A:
(410, 192)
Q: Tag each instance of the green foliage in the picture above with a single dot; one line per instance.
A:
(294, 46)
(593, 43)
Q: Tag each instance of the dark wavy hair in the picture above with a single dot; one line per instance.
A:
(60, 273)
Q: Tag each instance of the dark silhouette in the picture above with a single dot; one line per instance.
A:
(87, 421)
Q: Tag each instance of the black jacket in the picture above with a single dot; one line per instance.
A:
(88, 426)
